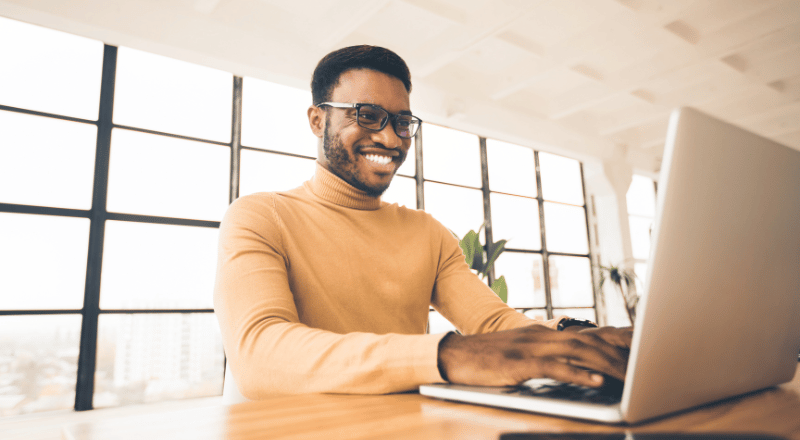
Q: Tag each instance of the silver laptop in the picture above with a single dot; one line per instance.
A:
(720, 311)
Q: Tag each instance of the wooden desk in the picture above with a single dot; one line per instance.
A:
(411, 416)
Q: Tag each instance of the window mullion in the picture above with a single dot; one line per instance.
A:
(418, 172)
(599, 303)
(236, 138)
(84, 388)
(545, 254)
(487, 206)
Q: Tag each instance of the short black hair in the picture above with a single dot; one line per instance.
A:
(333, 65)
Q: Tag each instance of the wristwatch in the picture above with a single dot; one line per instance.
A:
(570, 322)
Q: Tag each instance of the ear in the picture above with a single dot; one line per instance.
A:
(316, 120)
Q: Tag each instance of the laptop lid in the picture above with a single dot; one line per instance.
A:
(720, 314)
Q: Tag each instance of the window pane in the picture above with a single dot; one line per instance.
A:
(275, 117)
(149, 266)
(402, 191)
(459, 209)
(409, 167)
(641, 197)
(42, 261)
(451, 156)
(524, 276)
(516, 219)
(640, 269)
(164, 176)
(570, 282)
(577, 313)
(565, 228)
(145, 358)
(640, 236)
(511, 168)
(172, 96)
(561, 179)
(46, 162)
(272, 172)
(49, 71)
(38, 362)
(438, 323)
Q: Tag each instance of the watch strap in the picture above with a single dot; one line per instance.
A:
(571, 322)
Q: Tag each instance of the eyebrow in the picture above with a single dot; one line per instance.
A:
(401, 112)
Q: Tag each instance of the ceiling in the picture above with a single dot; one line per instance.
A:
(591, 79)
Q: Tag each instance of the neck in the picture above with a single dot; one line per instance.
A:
(332, 188)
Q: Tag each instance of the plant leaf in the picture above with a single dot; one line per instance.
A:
(467, 245)
(494, 251)
(500, 287)
(477, 259)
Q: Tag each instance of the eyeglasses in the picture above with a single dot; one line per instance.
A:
(373, 117)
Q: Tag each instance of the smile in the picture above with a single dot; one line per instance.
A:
(379, 159)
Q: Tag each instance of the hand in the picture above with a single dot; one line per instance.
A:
(621, 337)
(513, 356)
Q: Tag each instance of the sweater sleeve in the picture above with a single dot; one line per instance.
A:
(461, 297)
(270, 351)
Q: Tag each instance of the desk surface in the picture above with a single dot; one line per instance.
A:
(773, 411)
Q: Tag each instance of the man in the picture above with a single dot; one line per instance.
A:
(325, 288)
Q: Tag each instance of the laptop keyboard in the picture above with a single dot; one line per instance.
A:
(608, 394)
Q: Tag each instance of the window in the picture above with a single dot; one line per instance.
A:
(170, 96)
(109, 214)
(46, 150)
(279, 150)
(130, 195)
(641, 201)
(166, 176)
(272, 118)
(537, 204)
(52, 72)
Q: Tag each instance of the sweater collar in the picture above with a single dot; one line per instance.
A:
(332, 188)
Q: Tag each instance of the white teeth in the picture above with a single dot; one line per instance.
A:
(377, 158)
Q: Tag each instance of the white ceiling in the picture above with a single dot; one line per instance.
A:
(586, 78)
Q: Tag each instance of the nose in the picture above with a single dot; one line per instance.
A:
(387, 137)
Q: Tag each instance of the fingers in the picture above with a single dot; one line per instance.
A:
(581, 350)
(564, 372)
(600, 358)
(621, 337)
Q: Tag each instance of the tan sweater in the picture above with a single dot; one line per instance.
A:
(325, 289)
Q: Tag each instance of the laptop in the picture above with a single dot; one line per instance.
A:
(720, 311)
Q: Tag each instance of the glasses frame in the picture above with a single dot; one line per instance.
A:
(391, 116)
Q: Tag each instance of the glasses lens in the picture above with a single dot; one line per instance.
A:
(372, 117)
(406, 126)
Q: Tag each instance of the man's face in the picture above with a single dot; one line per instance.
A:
(363, 158)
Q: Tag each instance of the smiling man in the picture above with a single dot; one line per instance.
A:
(366, 128)
(326, 288)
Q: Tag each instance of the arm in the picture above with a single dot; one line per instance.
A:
(461, 297)
(270, 351)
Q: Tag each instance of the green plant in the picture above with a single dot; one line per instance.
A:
(481, 259)
(623, 278)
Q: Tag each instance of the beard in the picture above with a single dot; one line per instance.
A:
(343, 164)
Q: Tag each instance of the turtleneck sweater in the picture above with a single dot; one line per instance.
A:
(325, 289)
